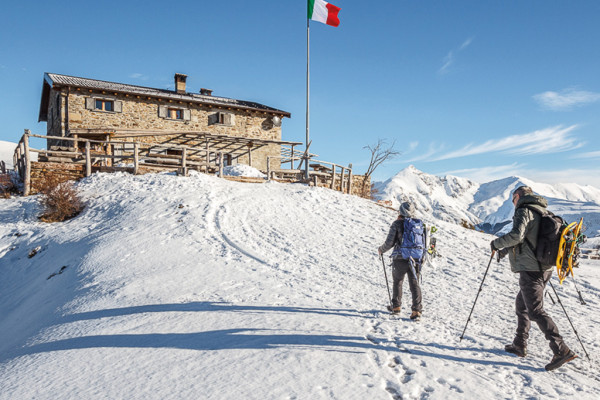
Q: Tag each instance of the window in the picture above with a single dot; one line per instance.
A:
(221, 118)
(105, 105)
(174, 113)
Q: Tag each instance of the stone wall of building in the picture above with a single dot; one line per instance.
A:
(144, 114)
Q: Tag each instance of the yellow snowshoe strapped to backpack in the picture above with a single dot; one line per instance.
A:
(568, 250)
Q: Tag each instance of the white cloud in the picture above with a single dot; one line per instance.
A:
(139, 76)
(450, 58)
(589, 154)
(487, 174)
(566, 100)
(434, 148)
(550, 140)
(580, 176)
(448, 61)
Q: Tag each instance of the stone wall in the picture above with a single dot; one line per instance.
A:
(65, 172)
(142, 113)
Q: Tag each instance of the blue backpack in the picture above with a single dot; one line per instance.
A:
(413, 240)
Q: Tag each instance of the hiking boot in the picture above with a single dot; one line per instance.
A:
(393, 310)
(520, 351)
(560, 359)
(415, 315)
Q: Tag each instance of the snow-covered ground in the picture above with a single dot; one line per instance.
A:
(168, 287)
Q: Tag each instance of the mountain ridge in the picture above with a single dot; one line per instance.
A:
(487, 206)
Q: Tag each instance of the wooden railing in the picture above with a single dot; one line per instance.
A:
(139, 155)
(319, 171)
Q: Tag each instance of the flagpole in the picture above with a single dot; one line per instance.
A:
(307, 96)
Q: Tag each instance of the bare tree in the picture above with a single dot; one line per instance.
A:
(380, 153)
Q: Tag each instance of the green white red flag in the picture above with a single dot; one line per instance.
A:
(322, 11)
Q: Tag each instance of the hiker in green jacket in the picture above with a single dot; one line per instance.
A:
(529, 303)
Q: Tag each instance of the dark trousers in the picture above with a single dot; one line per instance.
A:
(399, 270)
(529, 306)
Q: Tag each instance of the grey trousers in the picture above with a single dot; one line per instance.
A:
(399, 270)
(529, 306)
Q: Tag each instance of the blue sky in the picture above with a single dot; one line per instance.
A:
(481, 89)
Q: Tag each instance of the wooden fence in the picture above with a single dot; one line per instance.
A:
(133, 154)
(320, 174)
(110, 155)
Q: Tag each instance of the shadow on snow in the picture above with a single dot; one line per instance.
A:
(253, 339)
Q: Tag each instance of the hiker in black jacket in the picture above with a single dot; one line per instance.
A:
(402, 266)
(529, 304)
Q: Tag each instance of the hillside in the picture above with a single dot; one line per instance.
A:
(168, 287)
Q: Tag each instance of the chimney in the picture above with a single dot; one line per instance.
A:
(206, 92)
(180, 83)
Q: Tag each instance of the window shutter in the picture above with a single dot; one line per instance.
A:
(162, 111)
(231, 119)
(90, 103)
(118, 106)
(187, 115)
(212, 118)
(227, 119)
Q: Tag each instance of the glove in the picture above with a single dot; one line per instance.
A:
(492, 246)
(502, 253)
(379, 251)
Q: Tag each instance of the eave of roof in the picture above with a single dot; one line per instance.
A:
(53, 80)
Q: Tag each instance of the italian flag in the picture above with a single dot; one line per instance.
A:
(319, 10)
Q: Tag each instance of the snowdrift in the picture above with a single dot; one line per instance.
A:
(172, 287)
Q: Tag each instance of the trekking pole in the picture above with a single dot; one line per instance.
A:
(386, 280)
(581, 301)
(574, 330)
(480, 286)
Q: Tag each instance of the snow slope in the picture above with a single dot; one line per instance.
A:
(168, 287)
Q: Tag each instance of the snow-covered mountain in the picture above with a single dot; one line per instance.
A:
(168, 287)
(488, 205)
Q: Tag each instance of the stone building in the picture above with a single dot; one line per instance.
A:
(246, 132)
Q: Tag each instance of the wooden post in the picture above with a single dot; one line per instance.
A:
(292, 162)
(17, 157)
(220, 164)
(342, 179)
(136, 158)
(27, 179)
(88, 159)
(183, 162)
(250, 156)
(316, 180)
(207, 156)
(111, 161)
(75, 142)
(268, 168)
(350, 179)
(333, 176)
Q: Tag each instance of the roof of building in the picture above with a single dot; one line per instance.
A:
(53, 80)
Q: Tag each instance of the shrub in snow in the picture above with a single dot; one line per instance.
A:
(59, 199)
